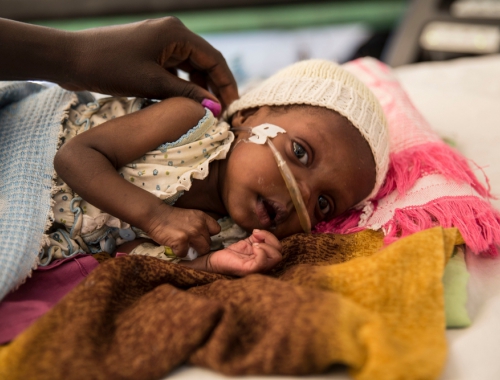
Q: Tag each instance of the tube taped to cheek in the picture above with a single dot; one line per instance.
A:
(262, 134)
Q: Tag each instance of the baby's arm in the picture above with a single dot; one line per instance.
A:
(258, 253)
(88, 163)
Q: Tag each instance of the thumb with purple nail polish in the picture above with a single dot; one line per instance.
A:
(212, 106)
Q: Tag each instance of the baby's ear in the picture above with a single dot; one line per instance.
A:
(240, 117)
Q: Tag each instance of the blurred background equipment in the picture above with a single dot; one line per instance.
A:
(436, 30)
(257, 37)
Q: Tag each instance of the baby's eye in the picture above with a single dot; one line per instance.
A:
(300, 152)
(324, 205)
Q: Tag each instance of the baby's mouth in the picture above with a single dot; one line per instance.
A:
(270, 213)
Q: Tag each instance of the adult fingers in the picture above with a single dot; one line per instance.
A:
(166, 85)
(198, 78)
(206, 58)
(201, 79)
(212, 225)
(173, 71)
(226, 90)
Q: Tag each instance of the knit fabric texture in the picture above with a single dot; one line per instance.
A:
(333, 299)
(31, 116)
(325, 84)
(428, 183)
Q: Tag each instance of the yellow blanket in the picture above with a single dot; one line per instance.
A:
(334, 299)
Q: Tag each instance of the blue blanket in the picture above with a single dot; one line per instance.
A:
(31, 116)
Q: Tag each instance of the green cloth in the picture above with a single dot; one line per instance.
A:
(455, 280)
(379, 15)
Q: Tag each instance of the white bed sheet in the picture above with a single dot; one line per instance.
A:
(461, 100)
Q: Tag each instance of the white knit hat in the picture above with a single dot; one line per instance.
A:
(326, 84)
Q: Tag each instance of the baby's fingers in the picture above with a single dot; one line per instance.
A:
(266, 255)
(180, 241)
(212, 225)
(263, 236)
(198, 231)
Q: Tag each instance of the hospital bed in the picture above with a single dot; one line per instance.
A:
(460, 99)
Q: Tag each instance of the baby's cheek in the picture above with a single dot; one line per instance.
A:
(287, 229)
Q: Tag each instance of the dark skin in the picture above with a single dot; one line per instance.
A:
(141, 59)
(122, 140)
(334, 169)
(259, 252)
(330, 160)
(136, 59)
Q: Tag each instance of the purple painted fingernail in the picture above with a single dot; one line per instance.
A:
(212, 106)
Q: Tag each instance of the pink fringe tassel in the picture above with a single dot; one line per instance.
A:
(475, 217)
(343, 224)
(407, 166)
(476, 220)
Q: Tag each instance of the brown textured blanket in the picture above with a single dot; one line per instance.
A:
(332, 300)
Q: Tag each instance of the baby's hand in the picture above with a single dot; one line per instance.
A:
(257, 253)
(180, 229)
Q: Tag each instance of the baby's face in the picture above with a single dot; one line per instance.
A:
(331, 161)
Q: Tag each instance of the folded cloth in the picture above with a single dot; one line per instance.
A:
(428, 182)
(40, 293)
(333, 299)
(455, 281)
(31, 116)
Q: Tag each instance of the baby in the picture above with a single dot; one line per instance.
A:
(167, 172)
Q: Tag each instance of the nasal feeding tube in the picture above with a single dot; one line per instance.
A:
(262, 134)
(259, 135)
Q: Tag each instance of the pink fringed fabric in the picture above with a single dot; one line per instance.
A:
(428, 182)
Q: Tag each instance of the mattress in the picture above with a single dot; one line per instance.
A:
(460, 99)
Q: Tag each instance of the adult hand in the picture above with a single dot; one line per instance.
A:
(138, 59)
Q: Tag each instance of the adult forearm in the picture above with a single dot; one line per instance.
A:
(123, 60)
(35, 52)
